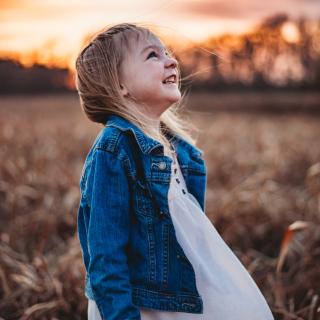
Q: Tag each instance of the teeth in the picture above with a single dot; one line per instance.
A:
(170, 79)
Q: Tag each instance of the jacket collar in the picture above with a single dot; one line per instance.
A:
(146, 143)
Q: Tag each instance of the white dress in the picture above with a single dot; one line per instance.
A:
(227, 289)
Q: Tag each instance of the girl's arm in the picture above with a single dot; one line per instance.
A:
(108, 236)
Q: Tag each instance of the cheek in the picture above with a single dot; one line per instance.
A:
(153, 76)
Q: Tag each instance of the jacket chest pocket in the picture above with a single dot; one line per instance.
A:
(143, 202)
(150, 193)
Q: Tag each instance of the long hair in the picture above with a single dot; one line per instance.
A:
(97, 81)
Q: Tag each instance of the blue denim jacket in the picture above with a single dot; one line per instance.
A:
(129, 246)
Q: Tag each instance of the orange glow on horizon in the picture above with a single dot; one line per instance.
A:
(50, 55)
(51, 33)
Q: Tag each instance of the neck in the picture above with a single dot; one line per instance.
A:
(155, 122)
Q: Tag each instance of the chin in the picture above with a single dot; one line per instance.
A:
(175, 98)
(171, 102)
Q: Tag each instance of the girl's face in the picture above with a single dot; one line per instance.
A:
(143, 72)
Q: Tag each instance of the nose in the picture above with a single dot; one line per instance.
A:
(171, 63)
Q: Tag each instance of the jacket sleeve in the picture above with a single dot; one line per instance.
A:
(108, 236)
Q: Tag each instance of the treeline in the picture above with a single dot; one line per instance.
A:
(278, 54)
(15, 78)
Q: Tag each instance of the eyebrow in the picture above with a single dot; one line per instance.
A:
(153, 46)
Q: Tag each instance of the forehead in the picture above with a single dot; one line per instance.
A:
(144, 40)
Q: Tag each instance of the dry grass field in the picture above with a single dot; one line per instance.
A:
(263, 197)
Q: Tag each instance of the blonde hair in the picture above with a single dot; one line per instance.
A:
(97, 81)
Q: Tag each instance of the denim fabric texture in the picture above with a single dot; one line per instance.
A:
(129, 247)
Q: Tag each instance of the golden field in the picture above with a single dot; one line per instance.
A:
(263, 197)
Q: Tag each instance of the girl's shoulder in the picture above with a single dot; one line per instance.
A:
(138, 140)
(122, 143)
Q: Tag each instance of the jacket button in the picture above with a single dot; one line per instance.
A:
(162, 165)
(178, 256)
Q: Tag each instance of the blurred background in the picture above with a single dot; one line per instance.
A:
(251, 70)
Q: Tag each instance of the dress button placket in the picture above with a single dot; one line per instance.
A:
(175, 170)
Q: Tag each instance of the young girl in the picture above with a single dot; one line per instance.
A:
(149, 250)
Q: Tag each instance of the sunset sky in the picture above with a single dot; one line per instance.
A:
(54, 29)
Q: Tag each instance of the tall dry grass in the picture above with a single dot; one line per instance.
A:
(263, 197)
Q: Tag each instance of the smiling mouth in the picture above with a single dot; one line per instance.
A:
(170, 80)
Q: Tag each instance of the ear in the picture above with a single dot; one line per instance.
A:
(124, 90)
